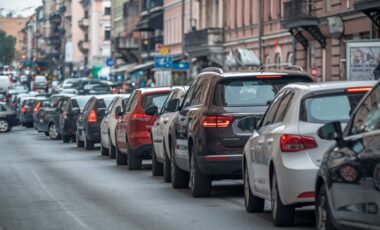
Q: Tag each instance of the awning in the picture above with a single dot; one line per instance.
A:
(126, 68)
(146, 65)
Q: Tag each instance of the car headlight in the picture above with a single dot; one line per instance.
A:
(348, 173)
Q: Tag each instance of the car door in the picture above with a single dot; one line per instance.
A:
(261, 147)
(121, 127)
(82, 117)
(105, 121)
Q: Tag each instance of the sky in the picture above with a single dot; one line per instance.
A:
(19, 7)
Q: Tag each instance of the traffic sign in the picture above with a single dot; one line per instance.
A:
(164, 51)
(109, 62)
(163, 62)
(314, 72)
(181, 66)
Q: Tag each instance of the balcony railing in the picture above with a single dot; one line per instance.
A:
(83, 23)
(202, 38)
(149, 44)
(366, 4)
(299, 13)
(83, 46)
(55, 40)
(126, 43)
(150, 4)
(55, 18)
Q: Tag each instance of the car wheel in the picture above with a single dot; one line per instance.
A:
(157, 167)
(283, 215)
(47, 134)
(121, 159)
(4, 126)
(103, 150)
(252, 203)
(180, 178)
(200, 184)
(134, 162)
(80, 143)
(322, 213)
(66, 139)
(53, 132)
(112, 149)
(166, 168)
(88, 145)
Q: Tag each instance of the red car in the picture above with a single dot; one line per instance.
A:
(133, 129)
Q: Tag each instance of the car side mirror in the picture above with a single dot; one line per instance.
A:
(172, 105)
(101, 111)
(332, 131)
(249, 124)
(151, 111)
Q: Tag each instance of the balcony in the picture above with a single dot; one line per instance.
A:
(83, 23)
(55, 40)
(128, 48)
(149, 45)
(126, 43)
(371, 8)
(55, 18)
(204, 42)
(84, 46)
(299, 13)
(151, 5)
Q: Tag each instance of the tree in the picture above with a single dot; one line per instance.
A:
(7, 48)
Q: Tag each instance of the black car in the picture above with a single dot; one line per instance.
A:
(27, 108)
(348, 181)
(216, 118)
(7, 118)
(88, 122)
(47, 118)
(96, 88)
(68, 118)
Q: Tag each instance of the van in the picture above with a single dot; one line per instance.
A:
(5, 83)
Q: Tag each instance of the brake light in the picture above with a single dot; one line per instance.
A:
(216, 121)
(37, 107)
(268, 77)
(24, 110)
(140, 117)
(91, 117)
(306, 195)
(358, 90)
(294, 143)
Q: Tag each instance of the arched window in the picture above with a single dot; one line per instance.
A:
(290, 59)
(277, 60)
(267, 60)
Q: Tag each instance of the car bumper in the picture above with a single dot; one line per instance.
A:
(221, 165)
(93, 133)
(144, 151)
(139, 139)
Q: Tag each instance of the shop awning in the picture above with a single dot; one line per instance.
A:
(126, 68)
(146, 65)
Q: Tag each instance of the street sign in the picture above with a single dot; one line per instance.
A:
(163, 62)
(181, 66)
(314, 72)
(109, 62)
(164, 51)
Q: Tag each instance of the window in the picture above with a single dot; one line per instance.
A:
(279, 13)
(107, 10)
(283, 108)
(2, 108)
(272, 110)
(290, 59)
(270, 9)
(186, 101)
(277, 60)
(367, 117)
(200, 92)
(133, 98)
(267, 60)
(107, 34)
(157, 100)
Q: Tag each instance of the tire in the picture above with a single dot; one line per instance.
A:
(180, 178)
(166, 168)
(53, 132)
(88, 145)
(112, 149)
(4, 126)
(283, 215)
(47, 134)
(121, 159)
(79, 143)
(157, 167)
(103, 150)
(200, 184)
(134, 162)
(66, 139)
(252, 203)
(322, 210)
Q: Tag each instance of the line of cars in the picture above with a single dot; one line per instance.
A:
(276, 129)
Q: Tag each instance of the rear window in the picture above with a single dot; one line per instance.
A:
(244, 92)
(80, 102)
(154, 100)
(327, 108)
(40, 78)
(104, 102)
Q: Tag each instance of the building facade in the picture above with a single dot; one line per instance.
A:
(13, 26)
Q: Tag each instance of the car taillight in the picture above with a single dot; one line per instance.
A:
(358, 90)
(140, 117)
(294, 143)
(268, 76)
(216, 121)
(91, 117)
(37, 107)
(24, 110)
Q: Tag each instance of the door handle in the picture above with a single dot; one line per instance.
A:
(166, 120)
(158, 123)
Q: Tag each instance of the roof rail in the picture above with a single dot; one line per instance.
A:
(286, 66)
(212, 69)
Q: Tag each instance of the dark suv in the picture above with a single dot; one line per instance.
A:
(217, 116)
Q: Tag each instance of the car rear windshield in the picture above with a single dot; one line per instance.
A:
(104, 102)
(154, 100)
(80, 102)
(244, 92)
(40, 78)
(327, 108)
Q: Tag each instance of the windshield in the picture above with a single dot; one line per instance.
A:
(326, 108)
(154, 100)
(246, 92)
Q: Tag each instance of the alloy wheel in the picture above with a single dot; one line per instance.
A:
(274, 197)
(4, 126)
(53, 131)
(322, 213)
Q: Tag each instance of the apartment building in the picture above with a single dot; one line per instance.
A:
(13, 26)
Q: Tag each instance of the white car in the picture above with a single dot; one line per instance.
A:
(160, 134)
(282, 157)
(108, 125)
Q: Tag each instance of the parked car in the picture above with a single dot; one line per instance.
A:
(88, 123)
(47, 118)
(5, 84)
(347, 185)
(96, 88)
(68, 118)
(7, 118)
(27, 107)
(40, 83)
(160, 134)
(108, 125)
(133, 129)
(282, 157)
(215, 120)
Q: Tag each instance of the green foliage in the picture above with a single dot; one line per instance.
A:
(7, 48)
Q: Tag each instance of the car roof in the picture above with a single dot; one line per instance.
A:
(331, 85)
(154, 90)
(82, 96)
(101, 96)
(281, 72)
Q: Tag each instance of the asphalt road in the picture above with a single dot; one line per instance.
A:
(47, 184)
